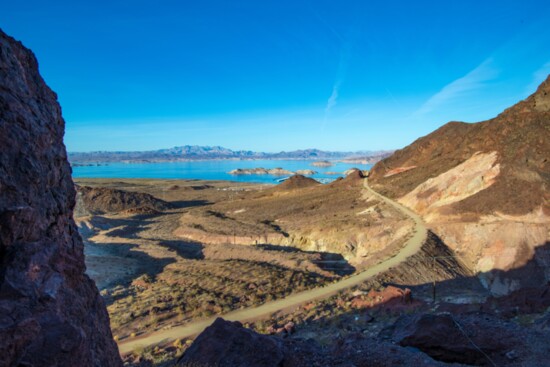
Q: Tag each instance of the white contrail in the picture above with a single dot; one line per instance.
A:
(345, 56)
(333, 97)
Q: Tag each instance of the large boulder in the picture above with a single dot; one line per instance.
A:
(226, 343)
(527, 300)
(51, 313)
(472, 340)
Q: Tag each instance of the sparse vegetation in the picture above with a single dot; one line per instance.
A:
(175, 281)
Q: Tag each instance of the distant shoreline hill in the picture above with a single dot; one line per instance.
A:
(197, 153)
(484, 188)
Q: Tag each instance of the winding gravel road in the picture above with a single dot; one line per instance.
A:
(412, 246)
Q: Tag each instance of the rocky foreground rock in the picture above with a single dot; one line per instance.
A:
(51, 313)
(471, 339)
(423, 339)
(229, 344)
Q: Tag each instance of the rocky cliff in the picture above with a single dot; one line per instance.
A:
(484, 188)
(51, 313)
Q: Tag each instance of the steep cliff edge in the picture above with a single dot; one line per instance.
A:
(484, 188)
(50, 311)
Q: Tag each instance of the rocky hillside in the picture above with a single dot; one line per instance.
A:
(51, 313)
(484, 188)
(413, 340)
(514, 148)
(100, 200)
(296, 182)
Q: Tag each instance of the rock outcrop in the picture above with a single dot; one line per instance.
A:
(471, 339)
(51, 313)
(296, 182)
(392, 299)
(100, 200)
(227, 343)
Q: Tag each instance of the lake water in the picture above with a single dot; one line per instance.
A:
(209, 170)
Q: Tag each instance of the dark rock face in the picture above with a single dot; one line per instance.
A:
(444, 337)
(51, 313)
(228, 344)
(528, 300)
(439, 337)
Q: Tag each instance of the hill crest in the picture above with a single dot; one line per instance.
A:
(520, 137)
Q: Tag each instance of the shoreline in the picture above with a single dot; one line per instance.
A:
(215, 170)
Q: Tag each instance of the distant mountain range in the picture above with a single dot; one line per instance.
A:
(195, 152)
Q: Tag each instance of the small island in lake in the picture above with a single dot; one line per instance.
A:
(322, 164)
(261, 171)
(272, 171)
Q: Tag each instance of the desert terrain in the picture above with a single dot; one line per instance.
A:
(151, 278)
(165, 252)
(171, 255)
(460, 239)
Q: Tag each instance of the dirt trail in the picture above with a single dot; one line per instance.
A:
(412, 246)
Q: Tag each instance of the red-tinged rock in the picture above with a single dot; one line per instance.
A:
(390, 298)
(51, 312)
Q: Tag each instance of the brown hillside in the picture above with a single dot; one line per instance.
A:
(100, 200)
(521, 137)
(296, 182)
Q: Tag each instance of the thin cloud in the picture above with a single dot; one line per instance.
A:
(462, 87)
(333, 99)
(345, 56)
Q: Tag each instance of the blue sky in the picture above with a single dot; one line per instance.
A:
(279, 75)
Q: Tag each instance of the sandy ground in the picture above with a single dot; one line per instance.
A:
(106, 267)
